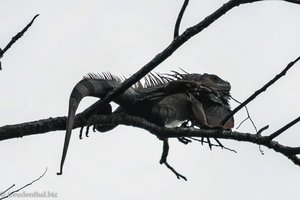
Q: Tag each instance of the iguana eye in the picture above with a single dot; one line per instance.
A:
(216, 78)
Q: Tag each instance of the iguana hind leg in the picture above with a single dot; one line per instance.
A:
(107, 127)
(105, 110)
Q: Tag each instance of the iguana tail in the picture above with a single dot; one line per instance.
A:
(89, 87)
(73, 104)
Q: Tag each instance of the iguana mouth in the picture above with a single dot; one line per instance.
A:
(222, 88)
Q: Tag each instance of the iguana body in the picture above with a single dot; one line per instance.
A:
(163, 100)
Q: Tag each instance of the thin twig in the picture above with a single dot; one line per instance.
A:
(264, 88)
(262, 129)
(21, 188)
(259, 134)
(284, 128)
(179, 176)
(7, 189)
(179, 18)
(248, 116)
(253, 124)
(16, 37)
(163, 159)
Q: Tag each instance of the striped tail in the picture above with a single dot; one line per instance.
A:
(73, 104)
(86, 87)
(95, 88)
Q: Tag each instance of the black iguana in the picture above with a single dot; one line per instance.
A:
(166, 100)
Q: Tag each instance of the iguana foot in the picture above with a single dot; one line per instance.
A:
(184, 140)
(86, 132)
(207, 126)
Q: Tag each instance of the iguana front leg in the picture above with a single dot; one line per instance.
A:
(198, 112)
(200, 116)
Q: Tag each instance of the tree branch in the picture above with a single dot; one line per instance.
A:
(13, 185)
(15, 38)
(284, 128)
(34, 127)
(258, 92)
(293, 1)
(21, 188)
(159, 58)
(179, 18)
(59, 123)
(163, 159)
(253, 1)
(54, 124)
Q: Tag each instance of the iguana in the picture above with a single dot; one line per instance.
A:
(166, 100)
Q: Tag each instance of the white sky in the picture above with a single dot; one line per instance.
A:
(247, 47)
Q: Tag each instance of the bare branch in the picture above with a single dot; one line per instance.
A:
(168, 51)
(48, 125)
(7, 189)
(262, 129)
(163, 159)
(252, 1)
(16, 37)
(34, 127)
(281, 130)
(293, 1)
(162, 132)
(179, 176)
(165, 152)
(21, 188)
(264, 88)
(159, 58)
(179, 18)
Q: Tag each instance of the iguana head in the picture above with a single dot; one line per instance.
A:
(211, 81)
(215, 83)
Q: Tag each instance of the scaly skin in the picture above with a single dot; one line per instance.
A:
(164, 100)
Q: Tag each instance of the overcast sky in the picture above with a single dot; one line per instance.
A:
(248, 46)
